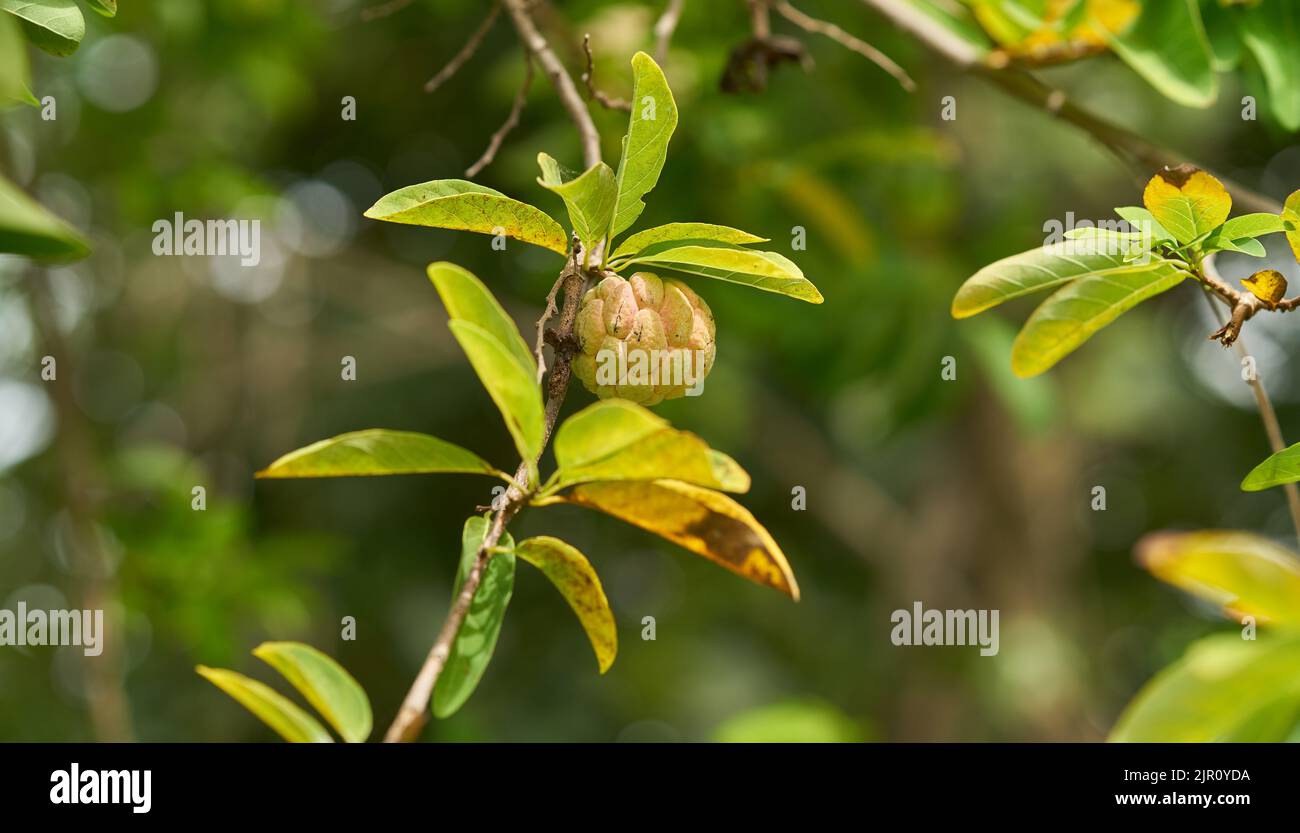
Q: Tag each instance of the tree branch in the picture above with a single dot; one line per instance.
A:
(664, 28)
(466, 52)
(835, 33)
(564, 86)
(1130, 148)
(511, 122)
(414, 712)
(1268, 416)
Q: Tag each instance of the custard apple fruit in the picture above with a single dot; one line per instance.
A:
(643, 339)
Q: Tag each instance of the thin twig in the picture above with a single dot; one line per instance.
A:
(466, 52)
(384, 10)
(560, 79)
(549, 310)
(835, 33)
(511, 122)
(414, 712)
(606, 100)
(664, 28)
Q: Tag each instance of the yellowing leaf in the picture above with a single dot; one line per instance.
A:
(680, 233)
(272, 708)
(468, 299)
(618, 440)
(703, 521)
(374, 452)
(768, 271)
(1225, 688)
(329, 688)
(1268, 285)
(1187, 201)
(1070, 317)
(465, 206)
(572, 574)
(1245, 574)
(645, 147)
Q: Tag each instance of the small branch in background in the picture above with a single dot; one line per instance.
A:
(588, 77)
(466, 52)
(1130, 148)
(511, 122)
(664, 28)
(749, 64)
(81, 484)
(383, 10)
(560, 79)
(835, 33)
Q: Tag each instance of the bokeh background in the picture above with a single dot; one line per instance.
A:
(973, 493)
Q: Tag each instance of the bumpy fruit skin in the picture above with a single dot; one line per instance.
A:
(643, 322)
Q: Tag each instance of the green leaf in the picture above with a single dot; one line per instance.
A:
(1291, 222)
(330, 689)
(680, 233)
(465, 206)
(768, 271)
(1069, 317)
(377, 451)
(269, 706)
(1225, 688)
(1188, 201)
(1225, 42)
(645, 147)
(1271, 31)
(472, 650)
(589, 197)
(513, 388)
(26, 228)
(1035, 271)
(706, 522)
(467, 299)
(572, 574)
(1246, 246)
(1250, 225)
(1143, 220)
(1278, 469)
(108, 8)
(617, 440)
(55, 26)
(1237, 234)
(14, 71)
(1245, 574)
(1168, 47)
